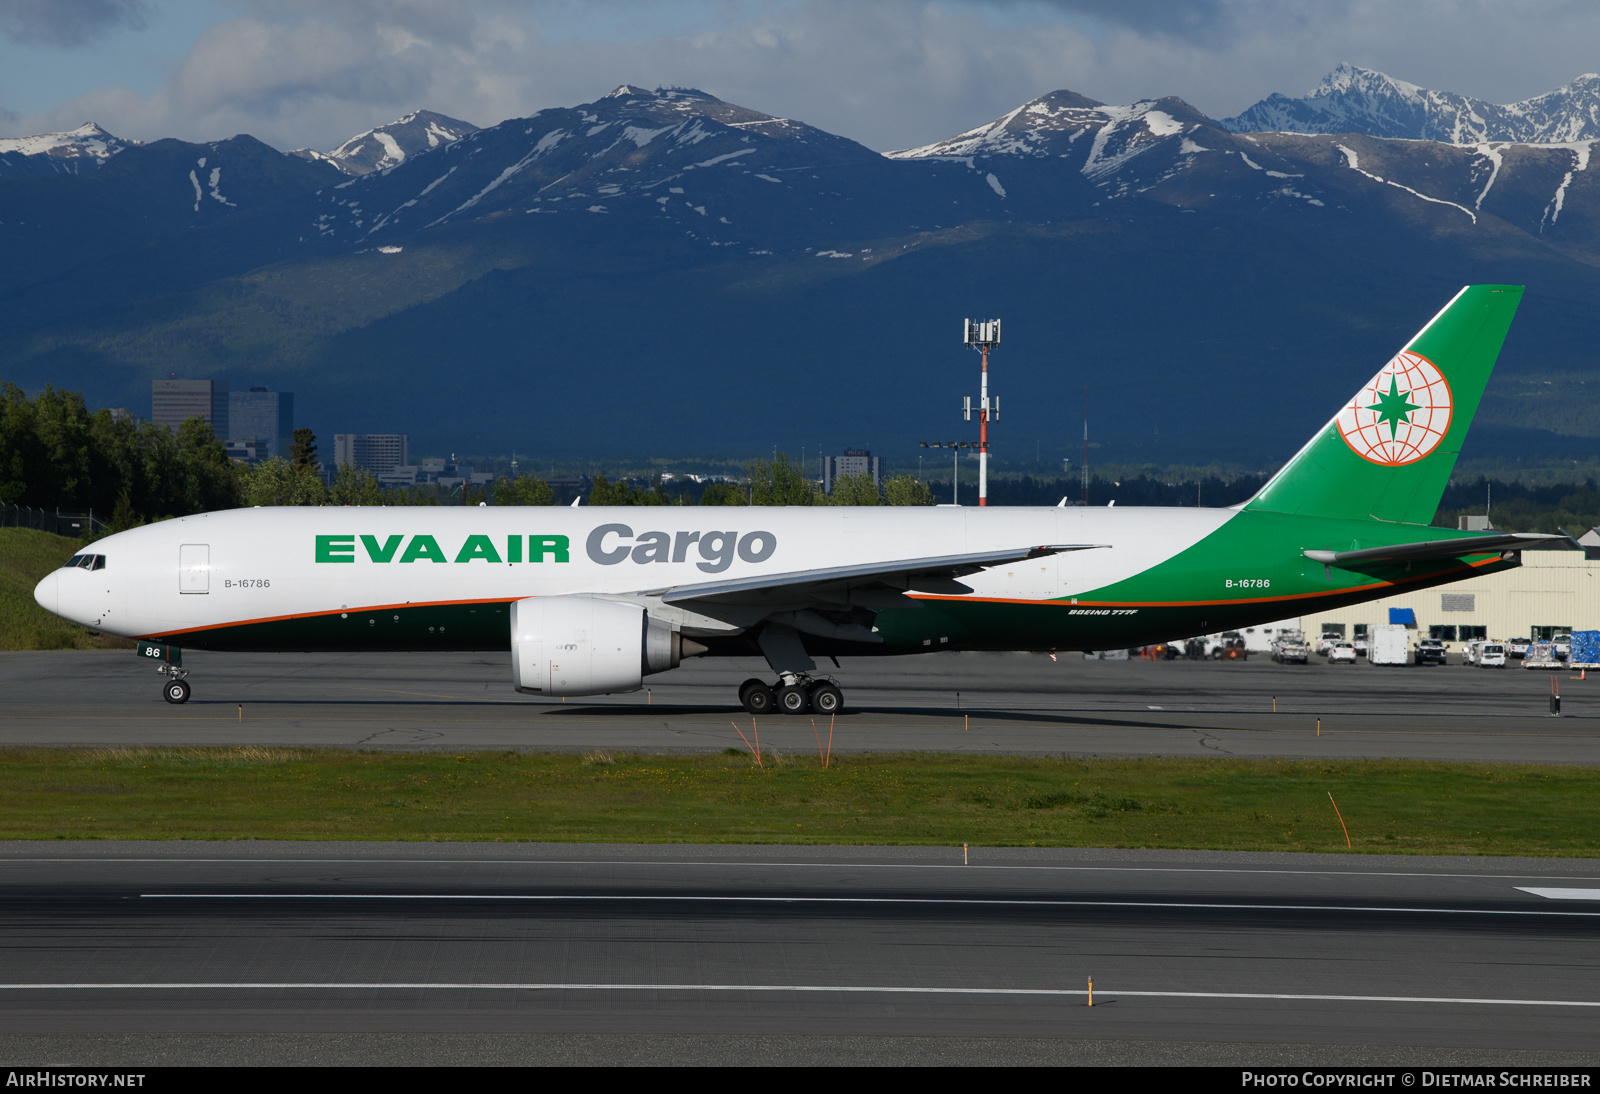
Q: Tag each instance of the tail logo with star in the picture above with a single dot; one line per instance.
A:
(1401, 415)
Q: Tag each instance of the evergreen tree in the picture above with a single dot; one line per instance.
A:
(906, 490)
(303, 452)
(723, 493)
(354, 485)
(855, 490)
(780, 483)
(523, 490)
(279, 482)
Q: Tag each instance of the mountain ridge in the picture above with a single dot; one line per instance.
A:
(659, 258)
(1361, 100)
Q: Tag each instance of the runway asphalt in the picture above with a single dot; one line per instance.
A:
(957, 702)
(119, 954)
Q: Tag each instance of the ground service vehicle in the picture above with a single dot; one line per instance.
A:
(1290, 650)
(1326, 640)
(1431, 651)
(1517, 648)
(1388, 644)
(1492, 655)
(591, 601)
(1230, 647)
(1541, 655)
(1342, 653)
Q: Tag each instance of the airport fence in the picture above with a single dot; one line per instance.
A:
(62, 522)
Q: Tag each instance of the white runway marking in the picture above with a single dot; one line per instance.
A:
(944, 901)
(1562, 894)
(746, 865)
(851, 989)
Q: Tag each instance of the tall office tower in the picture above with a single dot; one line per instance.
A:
(379, 453)
(173, 402)
(265, 416)
(855, 461)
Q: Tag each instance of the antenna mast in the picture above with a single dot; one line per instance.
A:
(982, 335)
(1086, 444)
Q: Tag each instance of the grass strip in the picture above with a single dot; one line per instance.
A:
(26, 555)
(911, 798)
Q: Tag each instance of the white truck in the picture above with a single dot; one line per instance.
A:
(1388, 644)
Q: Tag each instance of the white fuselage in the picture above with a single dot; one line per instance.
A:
(245, 566)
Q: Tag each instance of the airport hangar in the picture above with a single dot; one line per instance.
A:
(1554, 591)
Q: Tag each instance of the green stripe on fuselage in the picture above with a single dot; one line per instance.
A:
(414, 627)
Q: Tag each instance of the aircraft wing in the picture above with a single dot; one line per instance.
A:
(836, 584)
(1438, 548)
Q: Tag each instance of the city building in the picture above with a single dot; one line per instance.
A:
(245, 451)
(262, 419)
(379, 453)
(855, 461)
(173, 402)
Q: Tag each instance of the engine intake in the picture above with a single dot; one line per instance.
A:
(580, 645)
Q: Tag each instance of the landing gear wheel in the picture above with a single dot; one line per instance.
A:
(792, 699)
(756, 697)
(826, 699)
(176, 691)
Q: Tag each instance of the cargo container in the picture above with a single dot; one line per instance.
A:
(1585, 651)
(1388, 644)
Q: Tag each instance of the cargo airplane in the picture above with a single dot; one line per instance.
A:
(591, 601)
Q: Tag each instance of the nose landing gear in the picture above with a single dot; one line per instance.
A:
(176, 689)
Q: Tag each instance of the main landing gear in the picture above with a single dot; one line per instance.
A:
(795, 693)
(176, 689)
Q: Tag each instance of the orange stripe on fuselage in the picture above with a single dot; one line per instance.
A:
(1055, 603)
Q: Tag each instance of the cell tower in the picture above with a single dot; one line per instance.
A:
(982, 335)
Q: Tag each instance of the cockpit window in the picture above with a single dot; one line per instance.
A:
(99, 562)
(86, 562)
(71, 562)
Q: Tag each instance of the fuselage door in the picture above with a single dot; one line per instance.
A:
(194, 568)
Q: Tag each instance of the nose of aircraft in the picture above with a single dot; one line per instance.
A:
(48, 592)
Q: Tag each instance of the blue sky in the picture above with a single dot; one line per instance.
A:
(890, 73)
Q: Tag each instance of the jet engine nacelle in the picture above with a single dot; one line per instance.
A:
(579, 645)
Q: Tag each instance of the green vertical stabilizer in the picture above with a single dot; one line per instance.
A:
(1387, 455)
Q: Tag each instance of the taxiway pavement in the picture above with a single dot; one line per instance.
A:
(957, 702)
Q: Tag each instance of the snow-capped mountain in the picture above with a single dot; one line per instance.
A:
(1063, 149)
(1145, 234)
(388, 145)
(76, 152)
(676, 157)
(1040, 157)
(1358, 100)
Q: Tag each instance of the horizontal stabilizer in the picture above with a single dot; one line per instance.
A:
(1438, 548)
(899, 573)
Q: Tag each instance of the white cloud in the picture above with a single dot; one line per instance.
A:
(891, 74)
(67, 22)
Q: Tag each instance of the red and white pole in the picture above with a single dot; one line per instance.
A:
(983, 430)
